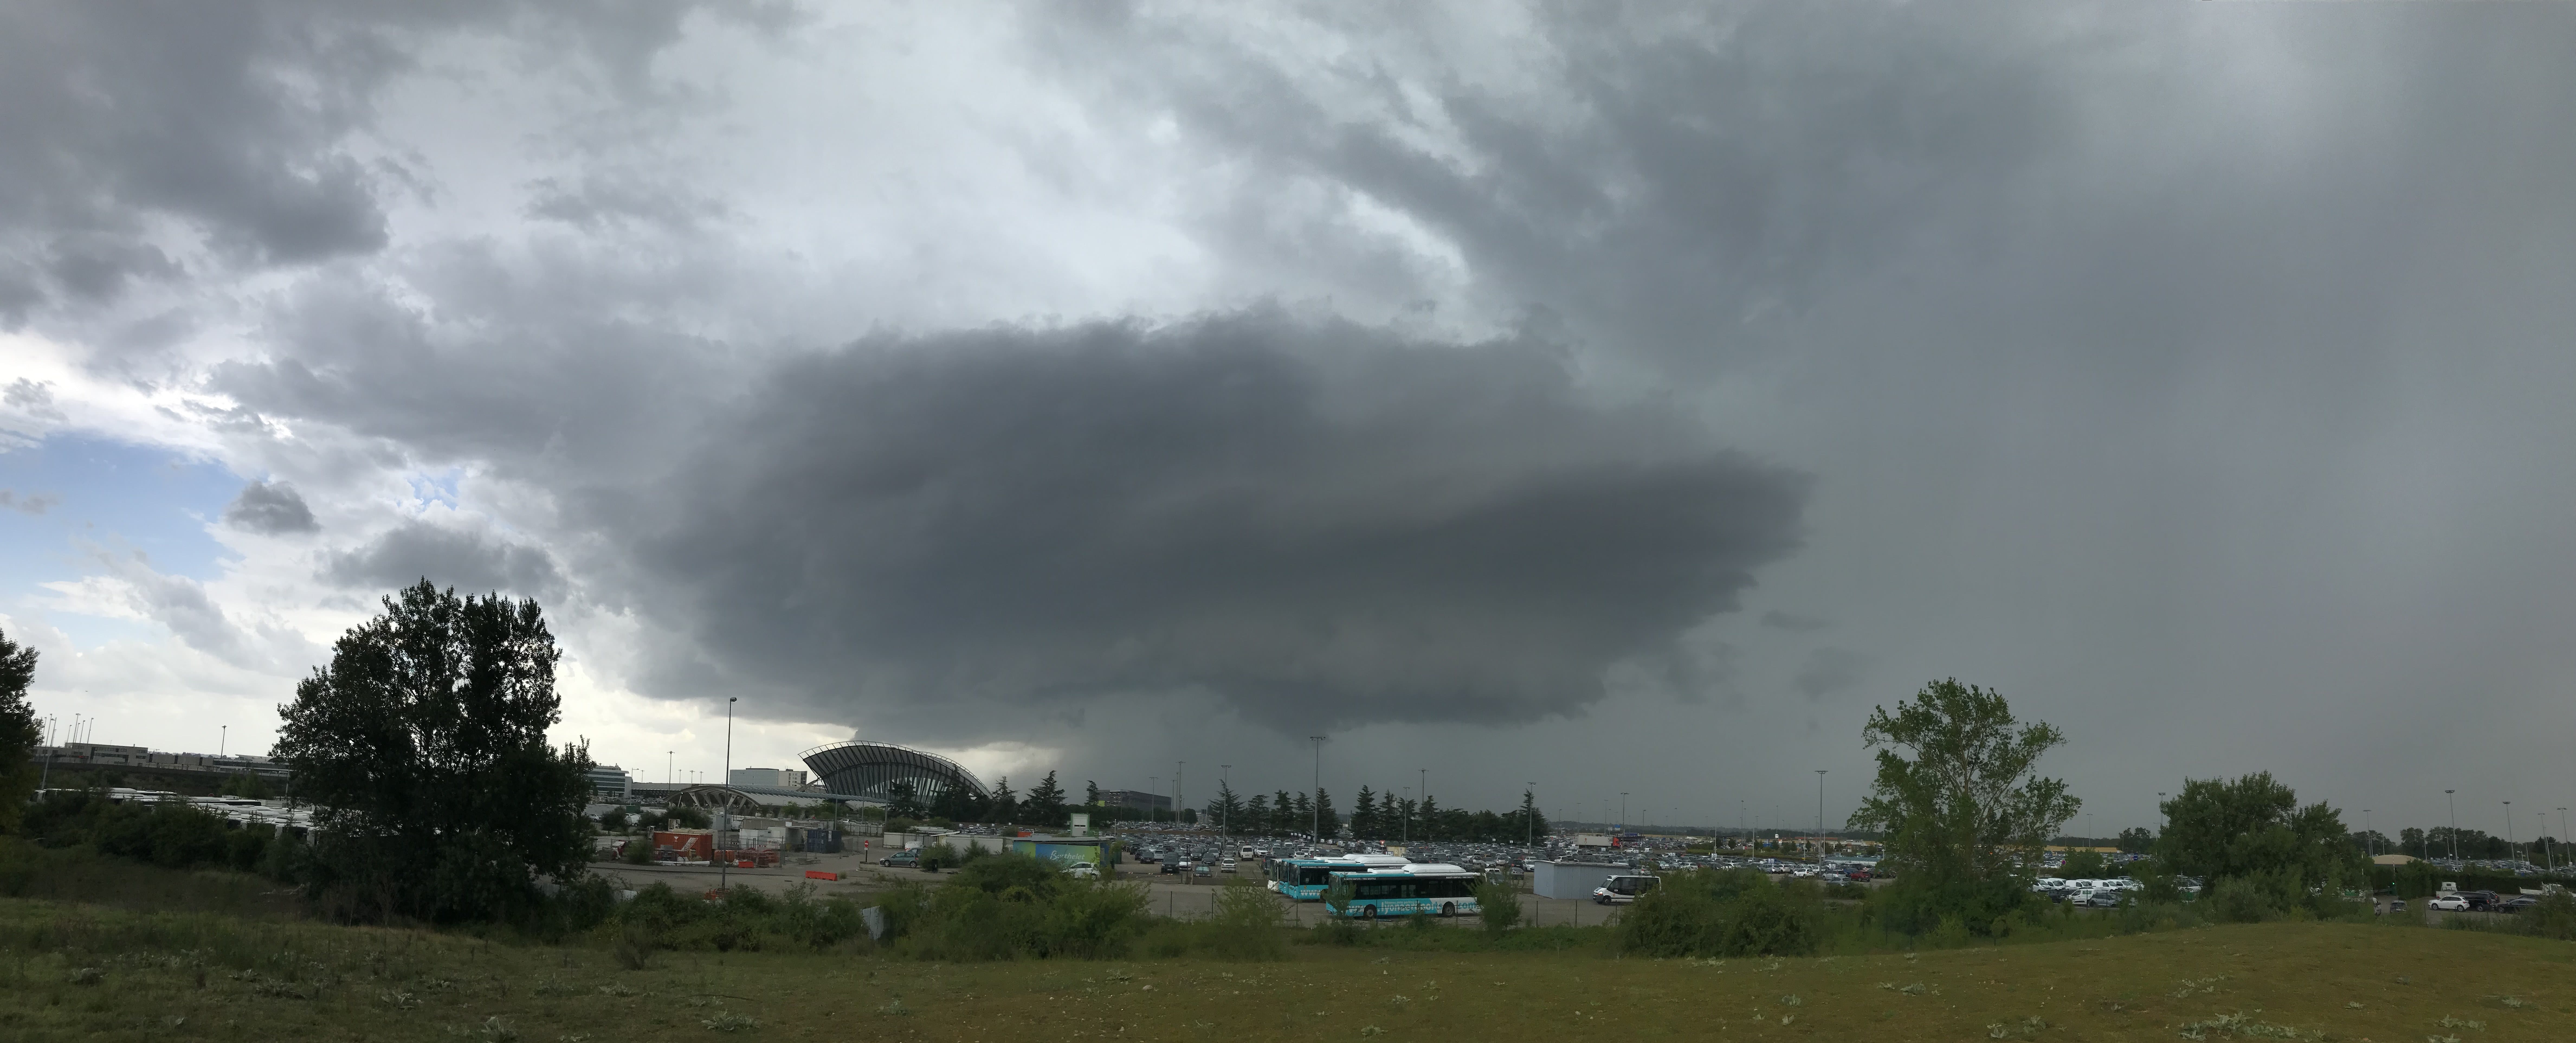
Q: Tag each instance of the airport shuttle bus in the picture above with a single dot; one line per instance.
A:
(1431, 890)
(1304, 879)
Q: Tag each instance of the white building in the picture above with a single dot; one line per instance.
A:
(609, 780)
(775, 778)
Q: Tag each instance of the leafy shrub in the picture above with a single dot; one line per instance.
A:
(1733, 912)
(744, 919)
(1498, 905)
(2554, 917)
(1011, 906)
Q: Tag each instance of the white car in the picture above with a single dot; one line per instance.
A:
(1084, 870)
(2449, 904)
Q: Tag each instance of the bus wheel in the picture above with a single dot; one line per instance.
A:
(1368, 912)
(1448, 908)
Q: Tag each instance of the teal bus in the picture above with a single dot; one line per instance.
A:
(1304, 879)
(1430, 890)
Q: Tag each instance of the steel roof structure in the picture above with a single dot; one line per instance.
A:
(870, 769)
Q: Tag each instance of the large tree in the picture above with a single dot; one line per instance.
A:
(423, 748)
(1959, 801)
(2253, 827)
(1045, 806)
(18, 732)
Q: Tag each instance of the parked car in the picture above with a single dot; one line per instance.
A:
(2516, 904)
(1176, 866)
(2105, 898)
(1202, 869)
(1083, 870)
(1228, 867)
(2396, 905)
(906, 858)
(2448, 904)
(2480, 899)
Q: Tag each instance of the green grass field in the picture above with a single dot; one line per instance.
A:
(73, 971)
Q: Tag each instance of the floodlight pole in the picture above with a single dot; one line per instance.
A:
(1532, 825)
(2508, 831)
(1224, 783)
(724, 870)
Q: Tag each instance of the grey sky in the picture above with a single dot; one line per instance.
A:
(1636, 394)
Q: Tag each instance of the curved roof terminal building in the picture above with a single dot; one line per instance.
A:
(870, 770)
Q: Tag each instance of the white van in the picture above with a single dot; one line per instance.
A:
(1621, 890)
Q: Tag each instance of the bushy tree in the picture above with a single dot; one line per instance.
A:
(2252, 831)
(2137, 840)
(423, 748)
(1966, 811)
(18, 732)
(903, 800)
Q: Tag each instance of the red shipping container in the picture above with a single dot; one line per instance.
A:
(687, 845)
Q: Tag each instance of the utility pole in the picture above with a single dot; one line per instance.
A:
(1532, 824)
(1315, 820)
(2455, 822)
(1224, 783)
(1177, 802)
(724, 817)
(1623, 811)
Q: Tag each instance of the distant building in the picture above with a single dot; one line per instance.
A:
(609, 780)
(775, 778)
(1134, 800)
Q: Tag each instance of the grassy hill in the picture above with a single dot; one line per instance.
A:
(89, 972)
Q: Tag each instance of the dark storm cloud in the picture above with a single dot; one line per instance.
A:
(1829, 670)
(1793, 622)
(274, 509)
(468, 561)
(231, 120)
(1313, 523)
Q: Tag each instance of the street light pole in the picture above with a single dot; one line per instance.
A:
(1820, 816)
(724, 871)
(2454, 803)
(2508, 832)
(1224, 784)
(1315, 820)
(1531, 827)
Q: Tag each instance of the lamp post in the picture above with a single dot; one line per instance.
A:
(1623, 811)
(54, 725)
(1531, 827)
(1820, 816)
(2508, 832)
(223, 739)
(1177, 804)
(2454, 804)
(1224, 784)
(724, 817)
(1315, 819)
(2367, 851)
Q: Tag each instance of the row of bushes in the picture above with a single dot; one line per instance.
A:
(172, 836)
(1740, 912)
